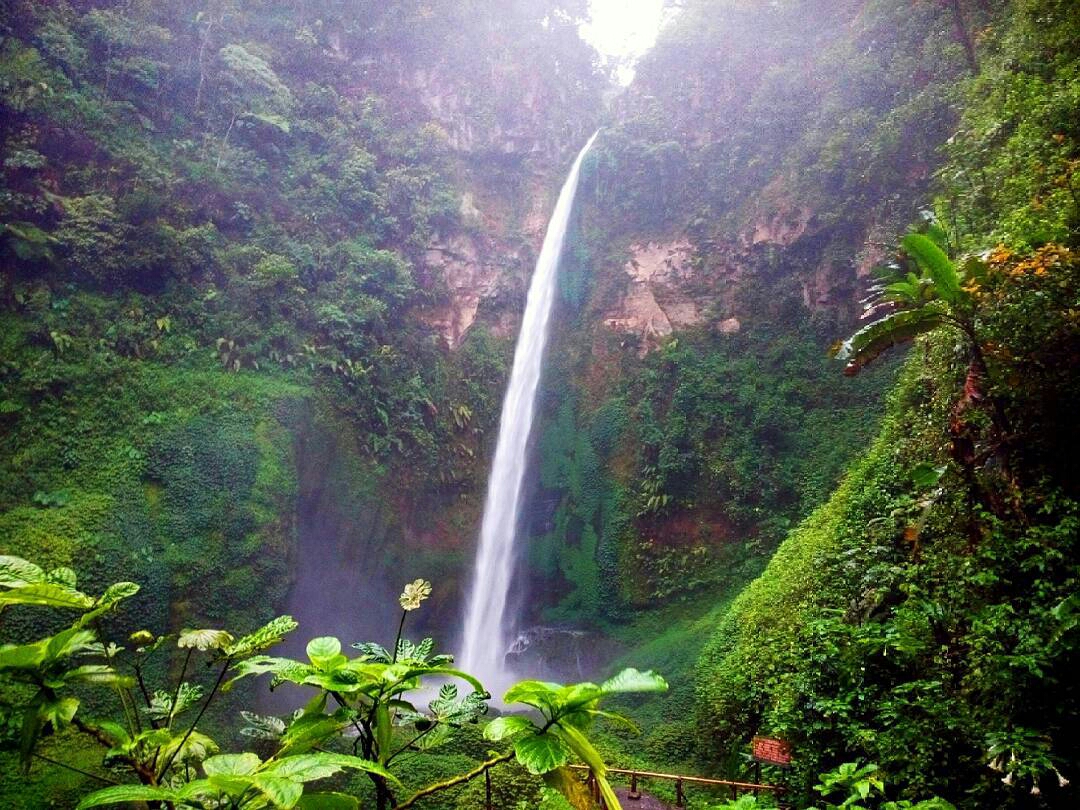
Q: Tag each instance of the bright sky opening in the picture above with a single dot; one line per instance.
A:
(623, 30)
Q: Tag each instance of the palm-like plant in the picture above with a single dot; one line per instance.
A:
(922, 291)
(919, 292)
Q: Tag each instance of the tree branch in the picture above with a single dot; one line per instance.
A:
(457, 780)
(100, 778)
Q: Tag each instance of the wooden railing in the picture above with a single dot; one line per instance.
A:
(680, 782)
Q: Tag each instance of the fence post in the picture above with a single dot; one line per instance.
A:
(634, 792)
(487, 790)
(680, 799)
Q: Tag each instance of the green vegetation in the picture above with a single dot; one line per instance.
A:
(369, 692)
(697, 460)
(237, 240)
(923, 618)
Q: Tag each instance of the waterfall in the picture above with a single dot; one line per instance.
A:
(487, 625)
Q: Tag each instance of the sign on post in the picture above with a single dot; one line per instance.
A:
(771, 751)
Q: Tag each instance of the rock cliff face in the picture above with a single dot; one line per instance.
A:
(481, 272)
(667, 286)
(513, 97)
(658, 299)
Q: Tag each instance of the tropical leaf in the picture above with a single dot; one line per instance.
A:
(632, 680)
(67, 643)
(59, 711)
(262, 727)
(538, 694)
(282, 793)
(571, 787)
(374, 652)
(506, 726)
(580, 745)
(15, 572)
(117, 591)
(324, 651)
(196, 748)
(63, 576)
(398, 673)
(936, 263)
(448, 709)
(873, 339)
(310, 730)
(99, 674)
(47, 594)
(309, 767)
(262, 639)
(232, 764)
(22, 656)
(384, 731)
(540, 753)
(161, 705)
(121, 794)
(284, 669)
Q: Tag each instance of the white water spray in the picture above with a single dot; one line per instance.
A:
(487, 626)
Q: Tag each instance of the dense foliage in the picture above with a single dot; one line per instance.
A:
(370, 693)
(924, 618)
(230, 233)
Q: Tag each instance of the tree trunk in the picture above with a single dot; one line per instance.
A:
(224, 141)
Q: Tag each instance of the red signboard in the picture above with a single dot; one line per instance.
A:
(772, 751)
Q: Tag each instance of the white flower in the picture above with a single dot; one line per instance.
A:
(1035, 790)
(415, 592)
(1007, 779)
(1062, 781)
(204, 639)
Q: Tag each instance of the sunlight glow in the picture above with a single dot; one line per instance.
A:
(623, 30)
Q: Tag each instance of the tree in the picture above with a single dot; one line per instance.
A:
(251, 89)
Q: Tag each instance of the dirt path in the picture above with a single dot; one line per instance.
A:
(646, 802)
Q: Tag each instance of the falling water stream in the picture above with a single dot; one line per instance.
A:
(487, 623)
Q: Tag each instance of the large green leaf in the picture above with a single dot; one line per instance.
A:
(631, 680)
(283, 669)
(47, 594)
(540, 753)
(59, 711)
(311, 730)
(15, 572)
(282, 793)
(99, 674)
(63, 576)
(120, 794)
(232, 764)
(196, 748)
(571, 787)
(873, 339)
(264, 638)
(323, 651)
(117, 591)
(303, 767)
(539, 694)
(23, 656)
(581, 746)
(399, 673)
(384, 731)
(936, 263)
(67, 643)
(502, 727)
(320, 765)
